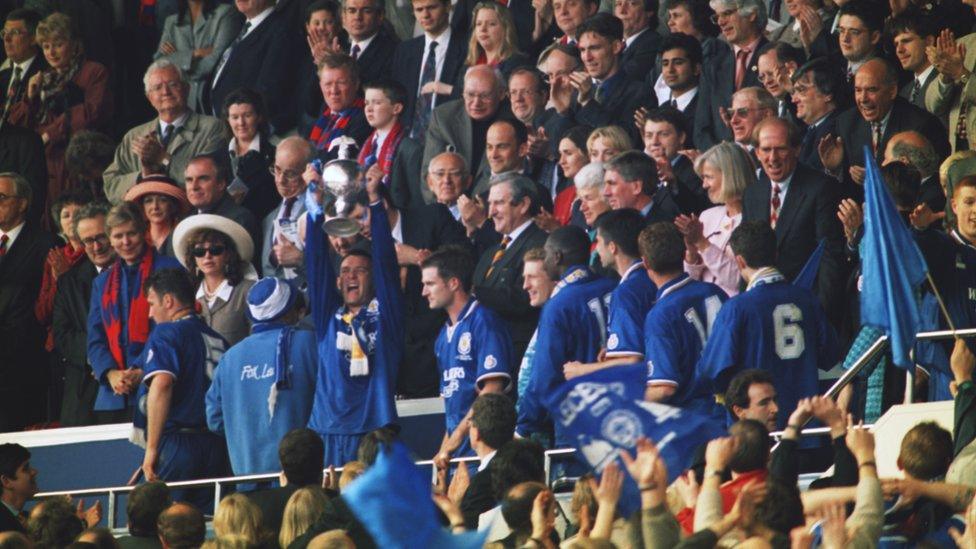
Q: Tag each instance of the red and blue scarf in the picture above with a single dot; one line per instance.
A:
(331, 125)
(137, 325)
(386, 153)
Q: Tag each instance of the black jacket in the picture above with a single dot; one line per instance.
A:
(715, 90)
(409, 58)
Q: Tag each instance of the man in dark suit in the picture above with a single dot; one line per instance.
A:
(206, 189)
(23, 58)
(428, 65)
(22, 151)
(281, 255)
(461, 126)
(70, 318)
(527, 93)
(492, 425)
(265, 56)
(878, 115)
(630, 181)
(911, 33)
(369, 44)
(800, 205)
(664, 136)
(506, 151)
(779, 58)
(301, 453)
(19, 484)
(641, 39)
(603, 94)
(145, 503)
(23, 252)
(512, 205)
(731, 68)
(819, 93)
(681, 69)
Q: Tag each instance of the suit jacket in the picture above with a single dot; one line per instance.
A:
(944, 99)
(267, 242)
(502, 289)
(478, 498)
(450, 128)
(808, 214)
(427, 227)
(687, 190)
(904, 116)
(408, 185)
(199, 135)
(812, 135)
(376, 61)
(253, 170)
(617, 108)
(216, 30)
(139, 542)
(243, 217)
(22, 151)
(715, 90)
(7, 72)
(266, 60)
(9, 523)
(408, 60)
(638, 59)
(70, 326)
(229, 318)
(906, 91)
(272, 504)
(663, 207)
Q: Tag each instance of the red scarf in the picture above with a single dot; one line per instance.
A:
(331, 125)
(387, 151)
(138, 321)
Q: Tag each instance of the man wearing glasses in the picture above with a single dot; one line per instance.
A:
(282, 251)
(71, 302)
(23, 61)
(23, 250)
(731, 68)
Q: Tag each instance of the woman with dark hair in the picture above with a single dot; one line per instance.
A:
(72, 95)
(194, 39)
(692, 17)
(163, 204)
(250, 153)
(59, 260)
(217, 252)
(573, 155)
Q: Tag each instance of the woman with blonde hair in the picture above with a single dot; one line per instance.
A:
(607, 142)
(304, 507)
(725, 171)
(240, 517)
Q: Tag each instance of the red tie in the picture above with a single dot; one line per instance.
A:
(740, 67)
(3, 245)
(774, 206)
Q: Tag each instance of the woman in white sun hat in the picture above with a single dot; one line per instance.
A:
(217, 252)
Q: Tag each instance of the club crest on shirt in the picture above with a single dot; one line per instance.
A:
(464, 343)
(612, 342)
(490, 362)
(149, 356)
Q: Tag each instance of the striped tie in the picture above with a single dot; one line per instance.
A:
(498, 254)
(3, 245)
(774, 207)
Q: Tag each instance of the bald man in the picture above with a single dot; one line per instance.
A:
(915, 150)
(461, 125)
(877, 115)
(281, 249)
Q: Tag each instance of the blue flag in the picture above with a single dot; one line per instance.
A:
(808, 275)
(605, 412)
(392, 500)
(892, 268)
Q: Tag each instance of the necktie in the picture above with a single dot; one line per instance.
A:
(740, 67)
(12, 90)
(167, 134)
(498, 254)
(774, 204)
(226, 55)
(289, 204)
(875, 137)
(916, 88)
(355, 51)
(673, 103)
(962, 136)
(598, 92)
(3, 245)
(425, 101)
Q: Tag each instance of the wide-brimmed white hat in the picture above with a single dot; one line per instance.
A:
(181, 235)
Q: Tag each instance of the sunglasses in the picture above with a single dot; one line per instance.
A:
(213, 250)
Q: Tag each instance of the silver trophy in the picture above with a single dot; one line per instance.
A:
(345, 188)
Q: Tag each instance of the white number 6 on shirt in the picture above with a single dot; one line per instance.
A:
(787, 331)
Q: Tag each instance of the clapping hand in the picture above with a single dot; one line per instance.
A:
(583, 84)
(947, 56)
(831, 151)
(851, 217)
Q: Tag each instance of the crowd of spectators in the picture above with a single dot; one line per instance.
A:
(545, 190)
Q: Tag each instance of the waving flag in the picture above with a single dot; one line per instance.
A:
(892, 268)
(808, 275)
(392, 500)
(604, 412)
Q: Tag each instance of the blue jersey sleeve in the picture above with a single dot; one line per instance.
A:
(547, 373)
(494, 352)
(624, 337)
(662, 352)
(386, 275)
(721, 350)
(322, 293)
(160, 355)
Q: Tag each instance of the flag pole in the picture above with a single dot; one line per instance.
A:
(942, 307)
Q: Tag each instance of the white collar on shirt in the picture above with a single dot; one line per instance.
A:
(380, 139)
(177, 124)
(518, 231)
(397, 230)
(783, 185)
(254, 146)
(223, 291)
(442, 39)
(486, 460)
(258, 19)
(362, 44)
(684, 99)
(629, 41)
(24, 66)
(12, 235)
(925, 75)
